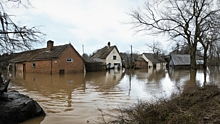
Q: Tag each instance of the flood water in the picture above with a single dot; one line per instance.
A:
(77, 98)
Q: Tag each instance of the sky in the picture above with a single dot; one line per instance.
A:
(87, 24)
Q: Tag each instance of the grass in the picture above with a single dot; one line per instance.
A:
(193, 106)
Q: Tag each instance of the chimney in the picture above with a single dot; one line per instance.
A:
(109, 44)
(49, 45)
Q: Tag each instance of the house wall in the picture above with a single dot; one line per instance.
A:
(91, 67)
(171, 63)
(150, 64)
(160, 66)
(109, 58)
(57, 65)
(163, 64)
(19, 67)
(141, 64)
(69, 67)
(40, 66)
(19, 70)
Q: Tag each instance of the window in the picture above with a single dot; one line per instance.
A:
(114, 57)
(61, 71)
(33, 65)
(69, 60)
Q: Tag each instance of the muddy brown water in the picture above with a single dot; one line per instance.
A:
(77, 98)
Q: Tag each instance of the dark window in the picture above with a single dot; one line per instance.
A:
(62, 71)
(114, 57)
(33, 65)
(69, 60)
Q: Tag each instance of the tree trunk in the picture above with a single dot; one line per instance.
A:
(205, 76)
(193, 56)
(205, 58)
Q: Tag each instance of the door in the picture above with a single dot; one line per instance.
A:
(24, 68)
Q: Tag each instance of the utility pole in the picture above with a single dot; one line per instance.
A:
(130, 74)
(82, 49)
(131, 58)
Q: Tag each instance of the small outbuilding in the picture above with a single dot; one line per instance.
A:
(183, 61)
(140, 63)
(153, 60)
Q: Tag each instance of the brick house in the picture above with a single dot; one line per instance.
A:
(52, 59)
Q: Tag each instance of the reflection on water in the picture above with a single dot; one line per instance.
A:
(76, 98)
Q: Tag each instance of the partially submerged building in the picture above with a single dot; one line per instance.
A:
(140, 63)
(183, 61)
(150, 60)
(108, 56)
(52, 59)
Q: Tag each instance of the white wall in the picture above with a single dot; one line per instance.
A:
(150, 64)
(109, 58)
(161, 64)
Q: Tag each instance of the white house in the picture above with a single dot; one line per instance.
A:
(109, 55)
(154, 60)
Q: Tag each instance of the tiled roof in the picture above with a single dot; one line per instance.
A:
(154, 58)
(180, 59)
(40, 54)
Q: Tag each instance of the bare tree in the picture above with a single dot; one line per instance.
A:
(180, 19)
(209, 41)
(14, 37)
(180, 48)
(16, 3)
(155, 46)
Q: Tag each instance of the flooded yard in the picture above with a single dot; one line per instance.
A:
(76, 98)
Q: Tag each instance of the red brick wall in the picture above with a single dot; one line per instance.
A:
(141, 64)
(40, 66)
(69, 67)
(58, 64)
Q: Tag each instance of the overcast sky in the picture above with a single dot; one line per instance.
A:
(88, 23)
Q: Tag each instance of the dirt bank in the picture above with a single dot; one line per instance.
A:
(193, 106)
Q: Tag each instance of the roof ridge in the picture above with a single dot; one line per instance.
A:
(36, 55)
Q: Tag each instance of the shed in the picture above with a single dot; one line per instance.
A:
(183, 61)
(153, 60)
